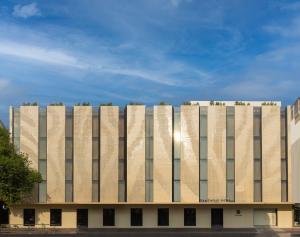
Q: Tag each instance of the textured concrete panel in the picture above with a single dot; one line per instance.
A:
(16, 217)
(55, 154)
(10, 123)
(243, 153)
(68, 217)
(203, 217)
(42, 216)
(289, 155)
(162, 154)
(82, 154)
(234, 220)
(109, 133)
(285, 217)
(29, 137)
(271, 175)
(189, 160)
(216, 146)
(95, 217)
(136, 153)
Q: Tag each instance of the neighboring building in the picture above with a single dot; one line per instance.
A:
(295, 154)
(200, 165)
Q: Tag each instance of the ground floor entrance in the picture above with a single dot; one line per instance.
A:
(152, 216)
(217, 217)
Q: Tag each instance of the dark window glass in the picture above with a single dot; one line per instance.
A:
(55, 217)
(163, 216)
(136, 217)
(297, 216)
(82, 218)
(108, 217)
(4, 214)
(190, 216)
(29, 217)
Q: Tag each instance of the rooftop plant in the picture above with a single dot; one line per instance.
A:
(269, 103)
(30, 104)
(106, 104)
(240, 103)
(163, 103)
(56, 104)
(83, 104)
(135, 103)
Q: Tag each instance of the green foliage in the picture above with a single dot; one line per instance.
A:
(240, 103)
(216, 103)
(186, 103)
(30, 104)
(83, 104)
(106, 104)
(269, 103)
(17, 178)
(135, 103)
(56, 104)
(163, 103)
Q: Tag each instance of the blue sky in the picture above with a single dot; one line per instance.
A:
(148, 51)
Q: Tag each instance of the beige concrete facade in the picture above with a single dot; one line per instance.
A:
(82, 154)
(241, 212)
(216, 147)
(56, 154)
(162, 154)
(109, 144)
(136, 153)
(271, 176)
(29, 137)
(189, 158)
(244, 154)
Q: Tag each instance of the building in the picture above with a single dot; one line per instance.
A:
(295, 154)
(204, 164)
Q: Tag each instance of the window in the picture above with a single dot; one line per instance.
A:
(82, 218)
(29, 217)
(163, 216)
(4, 214)
(136, 216)
(55, 217)
(108, 217)
(189, 216)
(122, 156)
(257, 191)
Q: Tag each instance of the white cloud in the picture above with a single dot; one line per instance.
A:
(3, 83)
(39, 54)
(176, 3)
(291, 30)
(26, 11)
(292, 6)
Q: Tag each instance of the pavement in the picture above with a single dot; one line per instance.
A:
(151, 232)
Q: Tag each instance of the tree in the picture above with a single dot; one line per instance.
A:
(17, 178)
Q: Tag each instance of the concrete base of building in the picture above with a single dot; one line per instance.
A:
(234, 216)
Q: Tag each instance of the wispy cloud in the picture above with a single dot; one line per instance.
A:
(3, 84)
(294, 6)
(39, 54)
(290, 30)
(176, 3)
(26, 11)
